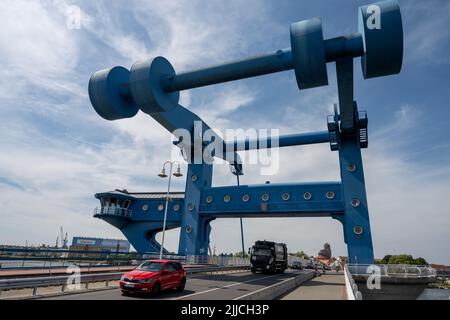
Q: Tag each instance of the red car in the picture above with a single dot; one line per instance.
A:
(153, 276)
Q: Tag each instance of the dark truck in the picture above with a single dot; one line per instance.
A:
(268, 257)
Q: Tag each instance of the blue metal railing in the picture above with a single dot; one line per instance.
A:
(113, 211)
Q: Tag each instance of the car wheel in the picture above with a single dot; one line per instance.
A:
(125, 293)
(181, 285)
(253, 270)
(156, 289)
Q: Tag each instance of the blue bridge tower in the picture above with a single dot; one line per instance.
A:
(153, 86)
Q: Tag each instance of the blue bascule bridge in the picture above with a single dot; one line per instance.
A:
(153, 86)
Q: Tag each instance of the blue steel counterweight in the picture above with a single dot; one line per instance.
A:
(153, 86)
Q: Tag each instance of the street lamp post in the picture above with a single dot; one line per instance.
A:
(242, 226)
(164, 175)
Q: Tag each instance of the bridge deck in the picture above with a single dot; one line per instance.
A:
(329, 286)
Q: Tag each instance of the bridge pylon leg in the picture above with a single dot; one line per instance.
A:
(142, 235)
(356, 224)
(195, 229)
(357, 233)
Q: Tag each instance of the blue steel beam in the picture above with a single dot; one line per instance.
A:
(280, 60)
(281, 141)
(273, 200)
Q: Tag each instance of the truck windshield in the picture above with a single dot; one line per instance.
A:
(262, 252)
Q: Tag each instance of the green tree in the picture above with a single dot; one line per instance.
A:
(402, 259)
(420, 261)
(240, 255)
(300, 254)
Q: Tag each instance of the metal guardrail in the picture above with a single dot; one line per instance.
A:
(38, 258)
(113, 211)
(217, 260)
(393, 270)
(37, 282)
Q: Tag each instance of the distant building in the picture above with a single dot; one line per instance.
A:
(325, 253)
(99, 244)
(441, 267)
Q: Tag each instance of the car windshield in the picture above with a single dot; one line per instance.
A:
(151, 266)
(262, 252)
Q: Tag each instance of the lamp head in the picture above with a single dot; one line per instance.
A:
(163, 173)
(178, 172)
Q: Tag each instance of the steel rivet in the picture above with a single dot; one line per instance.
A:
(161, 207)
(245, 197)
(351, 167)
(358, 230)
(188, 229)
(176, 207)
(307, 196)
(355, 202)
(227, 198)
(209, 199)
(145, 207)
(194, 178)
(330, 195)
(191, 206)
(285, 196)
(265, 197)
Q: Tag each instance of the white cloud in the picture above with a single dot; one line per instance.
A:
(36, 48)
(428, 32)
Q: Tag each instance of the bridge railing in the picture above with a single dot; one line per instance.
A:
(351, 288)
(217, 260)
(51, 258)
(393, 270)
(113, 211)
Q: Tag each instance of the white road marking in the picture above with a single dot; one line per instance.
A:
(227, 286)
(245, 295)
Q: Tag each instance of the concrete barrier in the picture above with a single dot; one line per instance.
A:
(278, 289)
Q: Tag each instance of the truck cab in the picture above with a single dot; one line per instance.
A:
(268, 257)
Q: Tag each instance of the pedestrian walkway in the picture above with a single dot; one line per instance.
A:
(330, 286)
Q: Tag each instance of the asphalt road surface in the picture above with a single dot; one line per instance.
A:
(198, 287)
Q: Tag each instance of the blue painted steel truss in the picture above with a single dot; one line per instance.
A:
(153, 86)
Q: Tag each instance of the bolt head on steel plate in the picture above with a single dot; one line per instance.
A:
(109, 94)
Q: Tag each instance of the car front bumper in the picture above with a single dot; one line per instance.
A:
(136, 287)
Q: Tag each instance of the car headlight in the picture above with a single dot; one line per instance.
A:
(149, 280)
(122, 278)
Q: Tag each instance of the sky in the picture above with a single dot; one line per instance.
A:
(56, 152)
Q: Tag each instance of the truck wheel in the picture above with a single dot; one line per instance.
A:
(253, 270)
